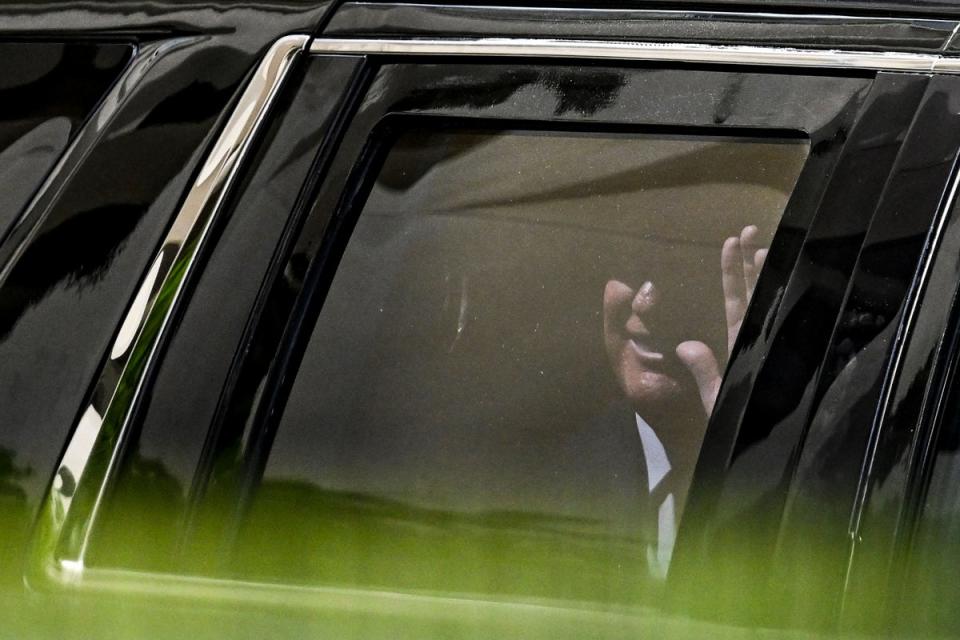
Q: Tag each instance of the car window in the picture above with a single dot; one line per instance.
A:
(507, 386)
(48, 89)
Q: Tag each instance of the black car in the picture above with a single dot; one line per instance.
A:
(394, 319)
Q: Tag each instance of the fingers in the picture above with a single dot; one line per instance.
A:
(741, 261)
(759, 258)
(616, 298)
(748, 251)
(734, 287)
(702, 363)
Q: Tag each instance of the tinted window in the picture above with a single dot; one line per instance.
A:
(509, 380)
(46, 92)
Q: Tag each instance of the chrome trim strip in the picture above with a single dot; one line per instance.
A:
(644, 51)
(75, 497)
(951, 39)
(371, 19)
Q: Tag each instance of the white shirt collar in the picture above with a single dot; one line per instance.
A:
(658, 465)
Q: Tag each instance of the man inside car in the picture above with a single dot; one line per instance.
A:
(660, 371)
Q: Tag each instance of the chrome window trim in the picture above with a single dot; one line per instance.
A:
(385, 18)
(643, 51)
(63, 530)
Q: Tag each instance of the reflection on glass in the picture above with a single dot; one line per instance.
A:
(507, 387)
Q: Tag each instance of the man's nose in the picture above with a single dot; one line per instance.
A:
(646, 298)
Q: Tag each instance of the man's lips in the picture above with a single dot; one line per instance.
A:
(644, 350)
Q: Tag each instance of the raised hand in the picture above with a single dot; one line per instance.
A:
(741, 260)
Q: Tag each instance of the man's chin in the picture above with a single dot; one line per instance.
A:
(654, 393)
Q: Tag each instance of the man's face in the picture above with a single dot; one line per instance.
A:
(642, 354)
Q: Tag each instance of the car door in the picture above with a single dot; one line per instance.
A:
(401, 355)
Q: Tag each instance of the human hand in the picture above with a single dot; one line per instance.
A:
(740, 263)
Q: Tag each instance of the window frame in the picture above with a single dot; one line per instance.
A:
(335, 208)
